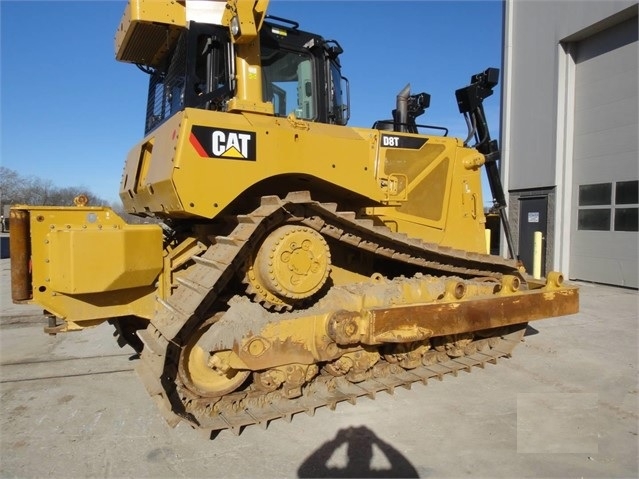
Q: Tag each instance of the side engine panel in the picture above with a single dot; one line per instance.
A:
(200, 164)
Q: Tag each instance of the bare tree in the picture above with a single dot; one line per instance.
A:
(10, 186)
(17, 189)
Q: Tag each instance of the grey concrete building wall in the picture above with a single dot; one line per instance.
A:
(538, 106)
(535, 31)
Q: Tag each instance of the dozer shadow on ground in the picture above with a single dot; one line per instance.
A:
(361, 446)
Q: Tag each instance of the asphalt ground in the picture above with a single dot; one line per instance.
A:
(565, 405)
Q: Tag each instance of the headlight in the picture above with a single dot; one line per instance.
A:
(235, 26)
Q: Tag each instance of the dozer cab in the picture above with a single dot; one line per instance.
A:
(290, 261)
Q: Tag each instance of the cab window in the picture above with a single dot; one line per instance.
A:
(288, 83)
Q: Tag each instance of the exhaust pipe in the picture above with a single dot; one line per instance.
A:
(401, 113)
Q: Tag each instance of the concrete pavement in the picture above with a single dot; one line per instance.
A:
(565, 405)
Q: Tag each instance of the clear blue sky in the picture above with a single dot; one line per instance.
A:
(70, 112)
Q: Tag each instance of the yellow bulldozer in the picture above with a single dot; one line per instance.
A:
(290, 261)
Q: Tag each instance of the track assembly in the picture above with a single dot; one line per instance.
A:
(222, 363)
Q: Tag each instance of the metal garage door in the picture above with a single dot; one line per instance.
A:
(604, 239)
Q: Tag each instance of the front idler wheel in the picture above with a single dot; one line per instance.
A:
(208, 374)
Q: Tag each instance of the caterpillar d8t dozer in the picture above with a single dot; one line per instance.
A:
(293, 261)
